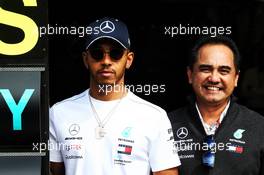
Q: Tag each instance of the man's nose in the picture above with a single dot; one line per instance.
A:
(106, 58)
(214, 77)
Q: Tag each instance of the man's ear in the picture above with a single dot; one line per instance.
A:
(237, 77)
(85, 59)
(130, 58)
(189, 74)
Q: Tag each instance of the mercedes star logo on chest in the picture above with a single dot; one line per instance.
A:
(182, 132)
(74, 129)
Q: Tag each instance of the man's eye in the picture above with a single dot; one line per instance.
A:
(224, 71)
(205, 70)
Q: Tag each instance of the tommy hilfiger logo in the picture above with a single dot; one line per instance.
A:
(236, 149)
(124, 149)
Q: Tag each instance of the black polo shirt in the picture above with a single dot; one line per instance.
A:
(239, 142)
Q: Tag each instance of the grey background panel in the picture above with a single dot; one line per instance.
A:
(20, 165)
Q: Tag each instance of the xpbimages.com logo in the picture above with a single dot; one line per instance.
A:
(213, 31)
(192, 146)
(50, 146)
(81, 31)
(146, 89)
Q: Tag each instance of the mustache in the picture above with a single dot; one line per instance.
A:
(211, 83)
(214, 84)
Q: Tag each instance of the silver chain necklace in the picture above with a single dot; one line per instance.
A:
(100, 131)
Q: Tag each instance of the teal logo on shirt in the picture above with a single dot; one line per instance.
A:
(126, 132)
(239, 133)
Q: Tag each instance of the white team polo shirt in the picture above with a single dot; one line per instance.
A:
(138, 137)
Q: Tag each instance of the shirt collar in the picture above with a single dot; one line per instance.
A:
(205, 125)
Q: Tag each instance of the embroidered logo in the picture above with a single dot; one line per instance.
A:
(74, 129)
(126, 132)
(182, 132)
(124, 149)
(239, 133)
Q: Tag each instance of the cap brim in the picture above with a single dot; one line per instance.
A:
(101, 37)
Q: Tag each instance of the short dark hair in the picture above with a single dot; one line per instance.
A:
(207, 40)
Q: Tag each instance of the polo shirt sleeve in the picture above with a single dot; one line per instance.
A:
(54, 148)
(163, 154)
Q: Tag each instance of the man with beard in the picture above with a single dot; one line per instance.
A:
(213, 134)
(107, 130)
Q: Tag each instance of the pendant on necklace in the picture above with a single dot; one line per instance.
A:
(213, 127)
(99, 132)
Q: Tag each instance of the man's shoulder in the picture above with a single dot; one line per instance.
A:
(144, 104)
(249, 114)
(251, 120)
(179, 114)
(71, 100)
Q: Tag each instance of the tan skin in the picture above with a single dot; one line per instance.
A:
(171, 171)
(213, 78)
(107, 72)
(57, 168)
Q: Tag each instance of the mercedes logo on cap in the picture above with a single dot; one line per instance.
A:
(107, 27)
(74, 129)
(182, 132)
